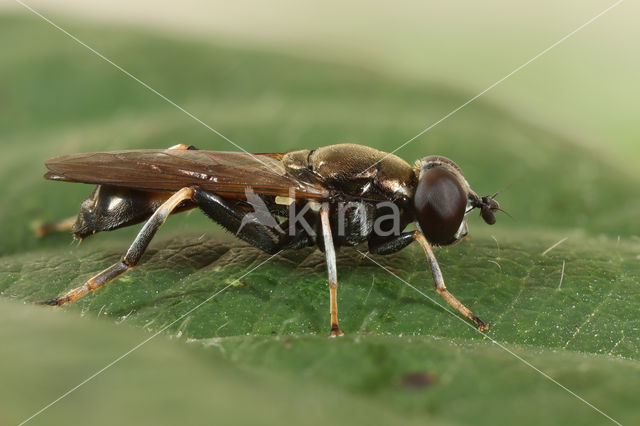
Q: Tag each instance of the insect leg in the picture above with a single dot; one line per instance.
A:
(440, 287)
(266, 237)
(184, 147)
(393, 244)
(330, 253)
(133, 255)
(49, 227)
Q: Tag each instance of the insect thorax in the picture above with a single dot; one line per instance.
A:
(354, 170)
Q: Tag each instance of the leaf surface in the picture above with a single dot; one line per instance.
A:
(571, 313)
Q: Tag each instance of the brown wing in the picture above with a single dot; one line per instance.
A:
(223, 173)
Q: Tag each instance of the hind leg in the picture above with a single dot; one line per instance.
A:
(46, 228)
(133, 255)
(184, 147)
(269, 236)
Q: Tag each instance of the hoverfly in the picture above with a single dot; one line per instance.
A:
(302, 195)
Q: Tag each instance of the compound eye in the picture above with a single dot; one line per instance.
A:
(440, 202)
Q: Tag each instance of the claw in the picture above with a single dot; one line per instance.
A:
(482, 326)
(336, 332)
(53, 302)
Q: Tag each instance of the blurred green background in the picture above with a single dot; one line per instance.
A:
(280, 76)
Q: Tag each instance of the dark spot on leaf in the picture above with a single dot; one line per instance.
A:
(418, 380)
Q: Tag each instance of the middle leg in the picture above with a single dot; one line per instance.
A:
(330, 253)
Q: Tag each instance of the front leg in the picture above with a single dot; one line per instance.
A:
(440, 287)
(398, 242)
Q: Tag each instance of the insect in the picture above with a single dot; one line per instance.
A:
(338, 195)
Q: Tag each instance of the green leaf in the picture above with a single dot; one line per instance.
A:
(161, 383)
(262, 342)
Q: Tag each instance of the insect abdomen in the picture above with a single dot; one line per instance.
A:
(110, 207)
